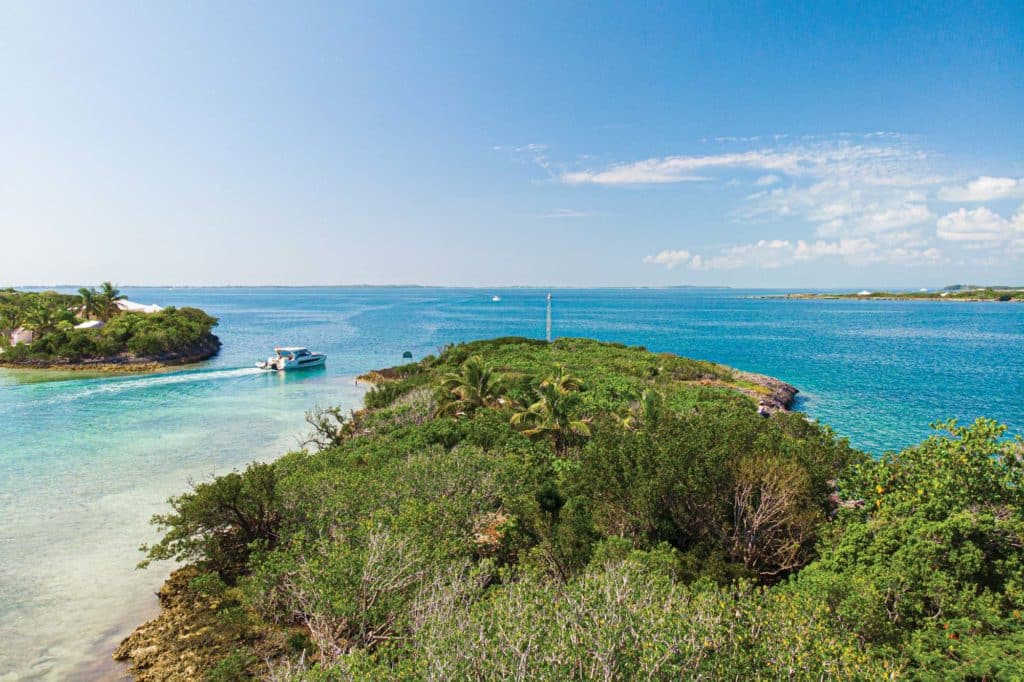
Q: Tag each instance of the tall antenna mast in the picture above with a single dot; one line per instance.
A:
(549, 317)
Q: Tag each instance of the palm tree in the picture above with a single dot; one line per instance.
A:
(45, 316)
(643, 412)
(552, 414)
(91, 303)
(9, 317)
(475, 385)
(564, 381)
(109, 295)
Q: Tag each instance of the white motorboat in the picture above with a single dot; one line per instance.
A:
(496, 298)
(293, 358)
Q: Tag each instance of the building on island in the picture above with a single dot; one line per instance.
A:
(20, 335)
(133, 307)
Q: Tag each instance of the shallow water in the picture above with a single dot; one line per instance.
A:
(86, 460)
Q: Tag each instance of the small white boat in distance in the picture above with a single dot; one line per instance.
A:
(495, 298)
(293, 358)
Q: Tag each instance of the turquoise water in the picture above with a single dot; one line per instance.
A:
(85, 461)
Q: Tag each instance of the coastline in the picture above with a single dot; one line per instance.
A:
(890, 297)
(125, 362)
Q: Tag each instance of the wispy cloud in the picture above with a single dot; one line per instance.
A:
(534, 152)
(570, 213)
(889, 162)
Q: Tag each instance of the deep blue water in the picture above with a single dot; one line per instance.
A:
(85, 461)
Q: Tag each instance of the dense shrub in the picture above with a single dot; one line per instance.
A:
(219, 521)
(680, 536)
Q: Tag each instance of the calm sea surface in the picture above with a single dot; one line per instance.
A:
(85, 461)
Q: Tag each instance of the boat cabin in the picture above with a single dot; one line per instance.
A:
(292, 353)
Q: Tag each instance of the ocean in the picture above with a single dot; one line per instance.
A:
(85, 460)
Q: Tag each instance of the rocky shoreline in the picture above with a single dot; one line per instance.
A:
(126, 362)
(777, 395)
(183, 641)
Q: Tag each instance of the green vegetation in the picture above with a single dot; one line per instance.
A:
(957, 292)
(123, 336)
(579, 510)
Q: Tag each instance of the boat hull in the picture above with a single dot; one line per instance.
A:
(280, 365)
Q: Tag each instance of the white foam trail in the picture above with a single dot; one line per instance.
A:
(112, 386)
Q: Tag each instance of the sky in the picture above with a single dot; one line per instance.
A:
(782, 145)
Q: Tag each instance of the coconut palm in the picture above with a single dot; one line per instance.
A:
(10, 317)
(91, 304)
(46, 316)
(553, 414)
(108, 297)
(563, 380)
(641, 412)
(475, 385)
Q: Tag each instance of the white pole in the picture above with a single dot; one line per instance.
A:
(549, 317)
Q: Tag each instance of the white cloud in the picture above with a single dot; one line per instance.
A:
(668, 258)
(890, 163)
(984, 188)
(779, 253)
(846, 187)
(857, 198)
(982, 226)
(569, 213)
(633, 174)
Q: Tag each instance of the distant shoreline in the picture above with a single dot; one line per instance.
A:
(998, 296)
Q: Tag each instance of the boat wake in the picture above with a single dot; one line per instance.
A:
(112, 386)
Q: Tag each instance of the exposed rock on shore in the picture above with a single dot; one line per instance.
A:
(185, 641)
(777, 395)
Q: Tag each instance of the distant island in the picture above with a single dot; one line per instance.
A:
(99, 329)
(575, 510)
(956, 292)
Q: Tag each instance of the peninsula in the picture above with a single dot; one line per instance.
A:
(956, 292)
(515, 508)
(99, 330)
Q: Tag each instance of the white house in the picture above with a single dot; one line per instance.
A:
(91, 324)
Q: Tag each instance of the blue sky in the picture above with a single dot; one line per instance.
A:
(851, 145)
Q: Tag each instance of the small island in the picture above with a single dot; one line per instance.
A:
(576, 510)
(955, 292)
(99, 330)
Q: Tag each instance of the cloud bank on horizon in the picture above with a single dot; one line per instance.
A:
(862, 198)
